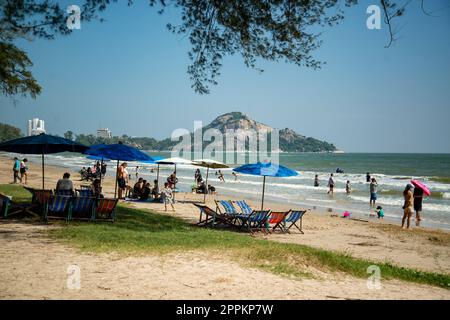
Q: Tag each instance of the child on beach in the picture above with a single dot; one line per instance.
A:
(23, 171)
(348, 188)
(167, 196)
(380, 212)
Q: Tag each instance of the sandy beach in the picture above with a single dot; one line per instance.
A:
(35, 266)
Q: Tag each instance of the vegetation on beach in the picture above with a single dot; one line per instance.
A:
(140, 231)
(145, 232)
(8, 132)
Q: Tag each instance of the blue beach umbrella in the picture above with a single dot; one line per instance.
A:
(119, 152)
(42, 144)
(266, 169)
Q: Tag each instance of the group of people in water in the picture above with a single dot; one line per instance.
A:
(413, 197)
(98, 171)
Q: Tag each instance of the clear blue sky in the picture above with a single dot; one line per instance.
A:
(129, 74)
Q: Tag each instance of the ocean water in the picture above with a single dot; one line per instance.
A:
(392, 171)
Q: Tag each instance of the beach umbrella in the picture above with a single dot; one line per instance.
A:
(208, 163)
(420, 185)
(266, 169)
(172, 161)
(119, 152)
(42, 144)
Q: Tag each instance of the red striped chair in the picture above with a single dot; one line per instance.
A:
(277, 221)
(105, 209)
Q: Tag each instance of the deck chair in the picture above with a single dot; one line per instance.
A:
(67, 193)
(246, 209)
(294, 219)
(227, 206)
(10, 208)
(82, 208)
(39, 201)
(84, 192)
(5, 202)
(213, 218)
(254, 221)
(105, 209)
(276, 220)
(57, 208)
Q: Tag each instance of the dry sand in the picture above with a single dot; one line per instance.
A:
(35, 267)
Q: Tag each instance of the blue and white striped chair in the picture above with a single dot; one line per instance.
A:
(227, 206)
(246, 209)
(82, 208)
(254, 221)
(57, 207)
(295, 218)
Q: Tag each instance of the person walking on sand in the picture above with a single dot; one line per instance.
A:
(316, 181)
(418, 197)
(16, 169)
(235, 175)
(373, 191)
(23, 171)
(167, 196)
(331, 185)
(408, 206)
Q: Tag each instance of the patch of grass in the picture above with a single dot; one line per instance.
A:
(142, 232)
(139, 231)
(18, 193)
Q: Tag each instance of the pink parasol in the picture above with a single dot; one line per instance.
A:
(420, 185)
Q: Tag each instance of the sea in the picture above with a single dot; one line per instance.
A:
(392, 171)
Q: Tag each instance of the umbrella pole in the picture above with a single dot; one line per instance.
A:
(264, 189)
(157, 177)
(175, 185)
(206, 185)
(43, 172)
(117, 169)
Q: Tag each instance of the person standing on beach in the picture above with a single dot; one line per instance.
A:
(331, 185)
(408, 206)
(316, 181)
(373, 192)
(137, 172)
(368, 177)
(167, 196)
(103, 170)
(23, 171)
(16, 169)
(418, 197)
(122, 176)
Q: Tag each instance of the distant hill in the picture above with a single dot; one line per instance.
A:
(8, 132)
(290, 141)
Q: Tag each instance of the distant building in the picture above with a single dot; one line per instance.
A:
(35, 127)
(104, 133)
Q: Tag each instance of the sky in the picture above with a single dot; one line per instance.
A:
(129, 74)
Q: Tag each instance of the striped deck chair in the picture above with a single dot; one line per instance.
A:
(84, 192)
(57, 207)
(39, 201)
(254, 221)
(277, 221)
(82, 208)
(294, 218)
(105, 209)
(67, 193)
(246, 209)
(227, 206)
(5, 202)
(213, 218)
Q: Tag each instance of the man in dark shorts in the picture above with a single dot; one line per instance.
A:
(121, 179)
(418, 197)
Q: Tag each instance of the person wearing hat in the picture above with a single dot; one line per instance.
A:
(408, 206)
